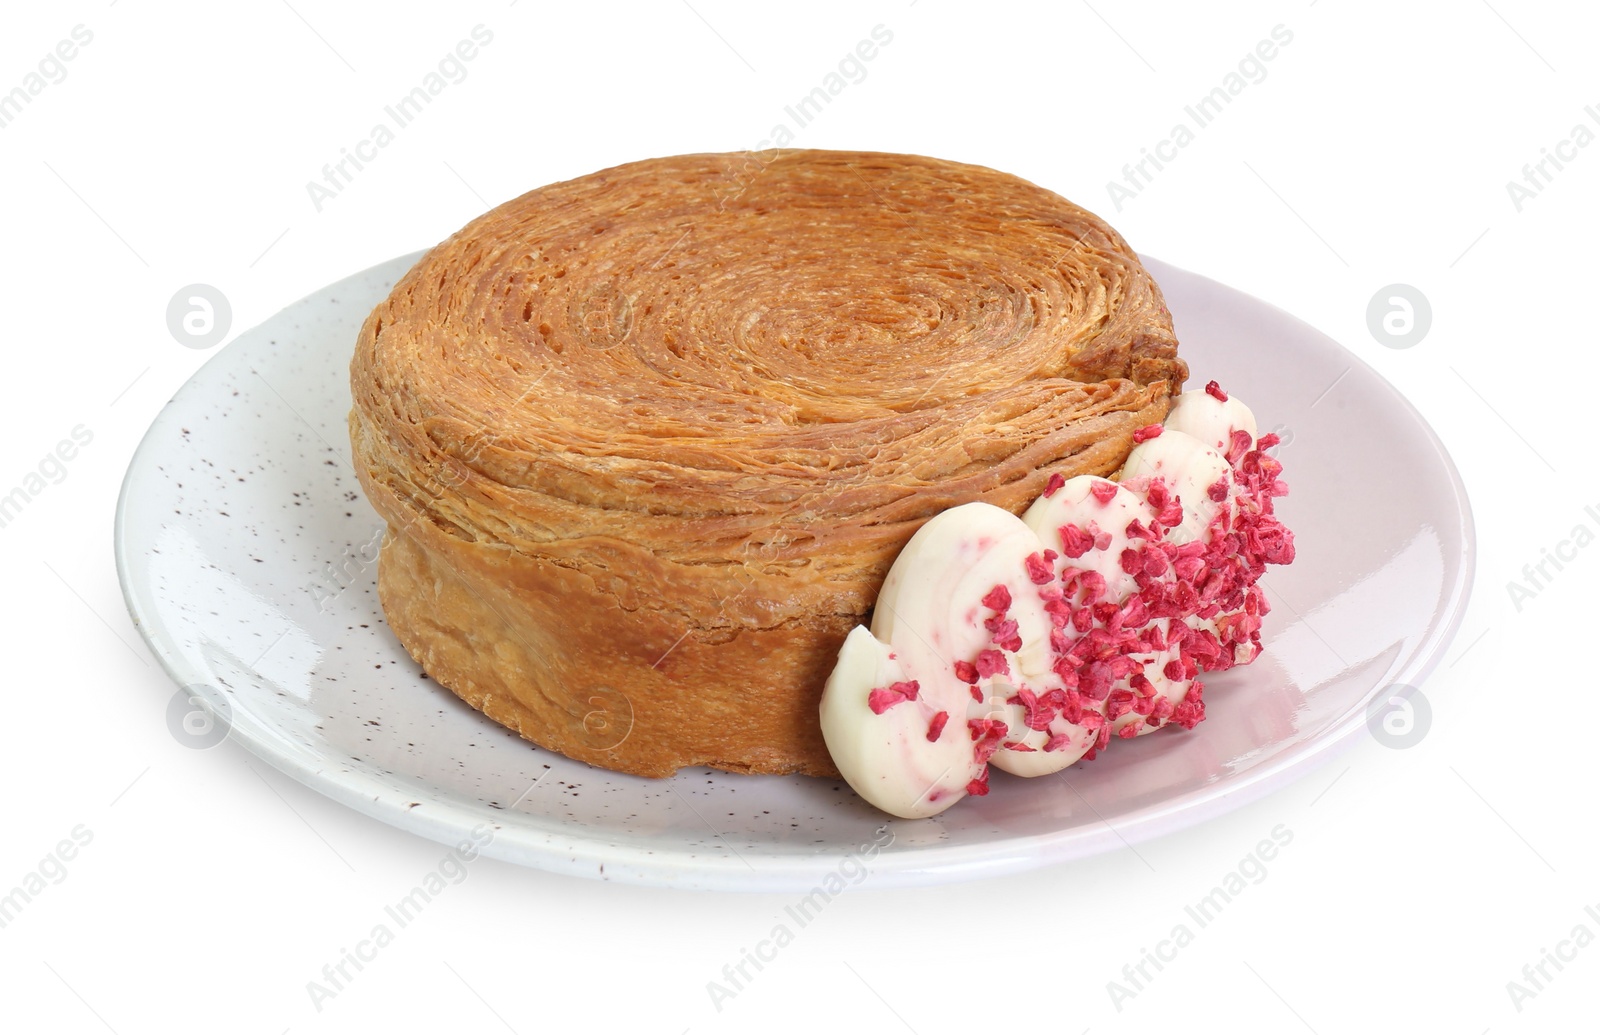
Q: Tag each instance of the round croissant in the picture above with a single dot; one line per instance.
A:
(647, 441)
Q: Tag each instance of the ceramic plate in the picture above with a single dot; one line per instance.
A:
(246, 549)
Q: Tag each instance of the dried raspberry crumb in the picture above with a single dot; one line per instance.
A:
(991, 662)
(1237, 445)
(1146, 433)
(1218, 490)
(1122, 666)
(1215, 391)
(976, 694)
(1038, 715)
(936, 726)
(1095, 681)
(1056, 482)
(1093, 584)
(979, 787)
(986, 735)
(1005, 633)
(1075, 542)
(1172, 514)
(1192, 709)
(997, 599)
(1039, 568)
(883, 698)
(1057, 742)
(1103, 491)
(967, 672)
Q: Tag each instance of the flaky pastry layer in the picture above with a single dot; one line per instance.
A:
(647, 441)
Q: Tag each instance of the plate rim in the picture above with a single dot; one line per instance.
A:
(568, 852)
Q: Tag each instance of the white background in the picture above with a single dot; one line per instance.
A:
(1376, 151)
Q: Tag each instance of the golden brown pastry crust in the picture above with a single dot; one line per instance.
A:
(648, 440)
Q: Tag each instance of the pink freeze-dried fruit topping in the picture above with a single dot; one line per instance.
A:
(991, 663)
(936, 725)
(1054, 484)
(1006, 635)
(1237, 445)
(1039, 567)
(1075, 542)
(1103, 491)
(883, 698)
(1215, 391)
(1146, 433)
(997, 599)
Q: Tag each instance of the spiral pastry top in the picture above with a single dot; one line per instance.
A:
(652, 437)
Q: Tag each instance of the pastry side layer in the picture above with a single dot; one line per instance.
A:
(647, 447)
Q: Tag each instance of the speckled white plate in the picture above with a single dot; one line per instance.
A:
(245, 551)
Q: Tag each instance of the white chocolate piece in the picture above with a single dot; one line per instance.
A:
(929, 610)
(1169, 689)
(1074, 504)
(1202, 415)
(928, 614)
(1189, 467)
(888, 758)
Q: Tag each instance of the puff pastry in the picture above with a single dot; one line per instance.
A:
(647, 441)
